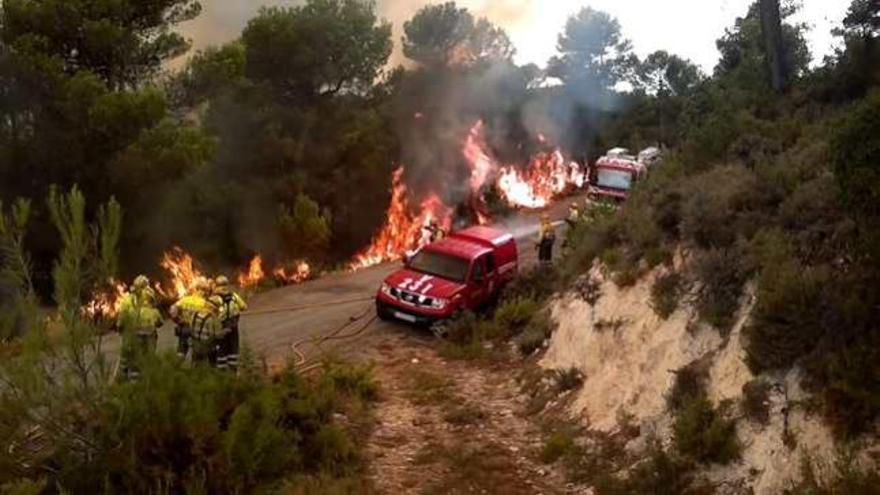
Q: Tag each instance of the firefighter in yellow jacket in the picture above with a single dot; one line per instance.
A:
(546, 239)
(196, 324)
(228, 305)
(138, 320)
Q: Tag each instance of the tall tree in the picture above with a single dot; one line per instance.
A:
(744, 55)
(446, 35)
(594, 52)
(771, 26)
(322, 48)
(122, 41)
(666, 74)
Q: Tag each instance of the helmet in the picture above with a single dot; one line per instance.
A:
(545, 217)
(140, 283)
(221, 281)
(201, 287)
(574, 204)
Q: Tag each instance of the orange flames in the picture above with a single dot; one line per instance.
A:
(298, 273)
(105, 306)
(184, 275)
(547, 175)
(403, 231)
(254, 274)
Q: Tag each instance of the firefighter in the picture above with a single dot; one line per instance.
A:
(138, 321)
(194, 316)
(228, 306)
(546, 239)
(574, 215)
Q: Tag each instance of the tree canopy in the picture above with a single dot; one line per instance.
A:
(445, 35)
(321, 48)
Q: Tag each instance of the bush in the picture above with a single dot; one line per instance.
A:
(537, 284)
(556, 446)
(855, 155)
(689, 385)
(703, 433)
(570, 379)
(787, 321)
(530, 341)
(844, 476)
(722, 274)
(851, 391)
(718, 202)
(513, 315)
(755, 401)
(661, 473)
(179, 429)
(665, 294)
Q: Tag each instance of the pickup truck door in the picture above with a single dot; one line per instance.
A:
(483, 280)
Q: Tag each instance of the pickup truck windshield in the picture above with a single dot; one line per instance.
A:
(441, 265)
(615, 179)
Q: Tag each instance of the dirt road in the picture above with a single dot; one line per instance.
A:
(271, 335)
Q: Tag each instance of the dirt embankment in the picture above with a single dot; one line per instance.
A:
(629, 357)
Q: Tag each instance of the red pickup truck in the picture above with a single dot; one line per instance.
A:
(465, 271)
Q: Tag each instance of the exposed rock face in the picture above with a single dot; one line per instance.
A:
(629, 355)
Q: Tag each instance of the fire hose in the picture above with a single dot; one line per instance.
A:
(293, 309)
(303, 365)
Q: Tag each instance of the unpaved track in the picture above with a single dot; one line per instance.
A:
(271, 335)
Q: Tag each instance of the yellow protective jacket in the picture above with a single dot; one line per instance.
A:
(195, 312)
(137, 313)
(228, 305)
(546, 231)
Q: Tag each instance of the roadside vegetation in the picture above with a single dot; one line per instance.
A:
(774, 189)
(70, 424)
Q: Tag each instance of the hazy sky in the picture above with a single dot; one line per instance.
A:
(686, 27)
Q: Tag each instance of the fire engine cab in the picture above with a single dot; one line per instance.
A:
(615, 174)
(464, 271)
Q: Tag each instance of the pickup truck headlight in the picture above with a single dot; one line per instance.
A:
(439, 303)
(386, 289)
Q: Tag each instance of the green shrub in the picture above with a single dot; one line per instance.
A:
(787, 320)
(556, 446)
(703, 433)
(513, 315)
(843, 477)
(569, 379)
(537, 284)
(722, 274)
(755, 401)
(661, 473)
(855, 156)
(530, 341)
(851, 391)
(718, 202)
(666, 293)
(179, 429)
(689, 385)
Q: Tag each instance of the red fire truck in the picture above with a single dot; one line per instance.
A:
(615, 174)
(464, 271)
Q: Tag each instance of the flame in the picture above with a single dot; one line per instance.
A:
(546, 176)
(105, 305)
(254, 274)
(403, 230)
(300, 272)
(184, 276)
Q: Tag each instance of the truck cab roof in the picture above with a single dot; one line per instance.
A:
(472, 242)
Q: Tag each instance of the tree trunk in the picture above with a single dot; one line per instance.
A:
(771, 25)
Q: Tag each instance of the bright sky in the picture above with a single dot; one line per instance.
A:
(688, 28)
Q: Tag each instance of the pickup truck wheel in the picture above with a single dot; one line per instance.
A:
(440, 328)
(383, 313)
